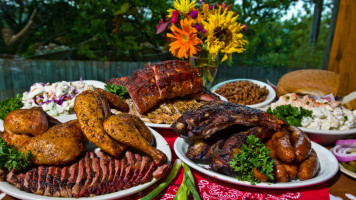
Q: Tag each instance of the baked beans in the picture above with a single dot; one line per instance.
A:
(243, 92)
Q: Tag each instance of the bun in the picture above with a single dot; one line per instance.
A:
(349, 101)
(314, 82)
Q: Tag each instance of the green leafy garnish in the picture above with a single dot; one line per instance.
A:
(292, 115)
(9, 105)
(11, 158)
(254, 154)
(119, 90)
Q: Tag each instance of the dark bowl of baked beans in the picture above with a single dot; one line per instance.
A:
(249, 92)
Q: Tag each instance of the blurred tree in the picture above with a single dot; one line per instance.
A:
(121, 28)
(125, 29)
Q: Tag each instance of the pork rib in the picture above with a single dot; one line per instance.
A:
(217, 115)
(164, 80)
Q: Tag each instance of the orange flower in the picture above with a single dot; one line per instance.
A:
(185, 41)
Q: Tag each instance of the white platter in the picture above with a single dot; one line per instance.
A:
(328, 168)
(161, 145)
(328, 137)
(347, 172)
(270, 97)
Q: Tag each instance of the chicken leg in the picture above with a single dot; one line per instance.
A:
(123, 130)
(91, 110)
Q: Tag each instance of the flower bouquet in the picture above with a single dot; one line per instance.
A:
(200, 32)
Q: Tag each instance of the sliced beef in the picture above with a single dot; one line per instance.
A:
(94, 174)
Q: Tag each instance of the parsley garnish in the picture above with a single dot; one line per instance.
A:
(254, 154)
(119, 90)
(9, 105)
(292, 115)
(11, 158)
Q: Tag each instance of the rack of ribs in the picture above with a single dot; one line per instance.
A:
(164, 80)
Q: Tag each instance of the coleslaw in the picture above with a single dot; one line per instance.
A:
(56, 98)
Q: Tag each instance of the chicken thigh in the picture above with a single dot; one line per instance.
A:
(59, 145)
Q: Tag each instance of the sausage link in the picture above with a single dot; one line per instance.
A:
(309, 167)
(259, 175)
(292, 170)
(282, 145)
(279, 170)
(269, 145)
(301, 143)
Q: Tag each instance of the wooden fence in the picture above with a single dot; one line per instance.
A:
(16, 76)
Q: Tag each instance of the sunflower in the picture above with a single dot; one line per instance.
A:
(185, 41)
(223, 34)
(184, 6)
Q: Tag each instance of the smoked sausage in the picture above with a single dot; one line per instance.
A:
(309, 167)
(280, 172)
(301, 143)
(282, 145)
(292, 170)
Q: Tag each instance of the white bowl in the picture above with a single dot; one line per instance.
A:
(328, 137)
(270, 97)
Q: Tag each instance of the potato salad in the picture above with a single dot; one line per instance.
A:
(327, 115)
(56, 98)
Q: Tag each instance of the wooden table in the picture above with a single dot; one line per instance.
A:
(342, 184)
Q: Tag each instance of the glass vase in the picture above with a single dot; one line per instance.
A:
(208, 68)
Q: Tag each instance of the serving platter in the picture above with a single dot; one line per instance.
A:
(347, 172)
(328, 168)
(270, 97)
(328, 137)
(161, 145)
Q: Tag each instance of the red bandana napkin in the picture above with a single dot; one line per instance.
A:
(213, 189)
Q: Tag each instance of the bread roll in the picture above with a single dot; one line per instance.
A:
(314, 82)
(349, 101)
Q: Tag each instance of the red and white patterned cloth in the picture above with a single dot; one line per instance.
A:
(213, 189)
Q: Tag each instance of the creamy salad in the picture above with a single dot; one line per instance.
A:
(327, 115)
(56, 98)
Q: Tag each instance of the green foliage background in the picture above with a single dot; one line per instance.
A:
(125, 30)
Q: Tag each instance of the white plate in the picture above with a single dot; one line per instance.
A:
(97, 84)
(161, 145)
(328, 137)
(328, 168)
(350, 173)
(270, 97)
(168, 126)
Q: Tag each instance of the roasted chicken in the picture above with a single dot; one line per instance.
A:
(23, 124)
(113, 133)
(59, 145)
(123, 129)
(30, 122)
(91, 110)
(140, 126)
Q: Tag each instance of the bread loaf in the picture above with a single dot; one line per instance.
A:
(314, 82)
(349, 101)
